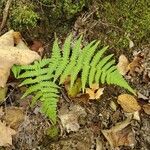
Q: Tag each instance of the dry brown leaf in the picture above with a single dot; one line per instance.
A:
(6, 135)
(121, 134)
(38, 47)
(17, 37)
(122, 66)
(146, 108)
(14, 117)
(128, 103)
(94, 92)
(69, 119)
(135, 65)
(10, 55)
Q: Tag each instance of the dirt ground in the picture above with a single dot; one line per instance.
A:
(95, 116)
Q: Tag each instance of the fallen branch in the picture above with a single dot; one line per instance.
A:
(5, 14)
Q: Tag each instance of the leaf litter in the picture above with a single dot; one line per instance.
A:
(123, 136)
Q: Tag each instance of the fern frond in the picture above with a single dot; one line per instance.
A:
(117, 79)
(38, 79)
(66, 47)
(79, 64)
(97, 56)
(104, 70)
(75, 52)
(99, 67)
(65, 59)
(40, 76)
(16, 70)
(93, 64)
(108, 72)
(32, 73)
(48, 107)
(36, 98)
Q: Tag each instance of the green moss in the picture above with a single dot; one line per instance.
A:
(22, 16)
(71, 7)
(132, 17)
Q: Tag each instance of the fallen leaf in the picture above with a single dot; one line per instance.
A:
(113, 105)
(131, 44)
(135, 115)
(94, 92)
(141, 96)
(69, 119)
(122, 66)
(120, 135)
(81, 98)
(135, 65)
(14, 117)
(99, 144)
(10, 55)
(38, 47)
(128, 103)
(6, 135)
(146, 108)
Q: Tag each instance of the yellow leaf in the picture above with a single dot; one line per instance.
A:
(122, 66)
(94, 92)
(128, 103)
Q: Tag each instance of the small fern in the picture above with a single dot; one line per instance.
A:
(42, 76)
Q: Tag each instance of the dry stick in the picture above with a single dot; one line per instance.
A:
(5, 14)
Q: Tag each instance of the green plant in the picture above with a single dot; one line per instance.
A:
(22, 16)
(43, 76)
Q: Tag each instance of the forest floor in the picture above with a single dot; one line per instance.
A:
(89, 124)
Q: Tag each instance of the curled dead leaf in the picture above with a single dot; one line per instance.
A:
(10, 55)
(94, 92)
(69, 119)
(128, 103)
(122, 66)
(135, 65)
(121, 134)
(146, 108)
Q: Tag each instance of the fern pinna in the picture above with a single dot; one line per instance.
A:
(42, 76)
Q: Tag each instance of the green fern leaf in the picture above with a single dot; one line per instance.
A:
(49, 106)
(93, 64)
(108, 73)
(117, 79)
(104, 69)
(99, 67)
(79, 64)
(40, 76)
(36, 97)
(73, 59)
(65, 59)
(16, 70)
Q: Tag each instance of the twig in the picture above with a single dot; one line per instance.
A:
(5, 14)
